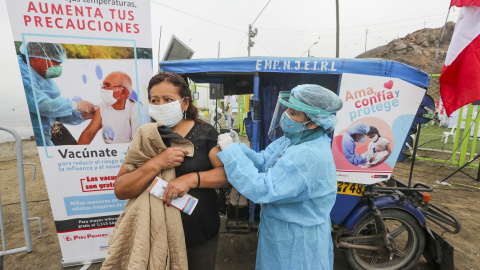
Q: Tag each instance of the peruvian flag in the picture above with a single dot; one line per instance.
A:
(460, 79)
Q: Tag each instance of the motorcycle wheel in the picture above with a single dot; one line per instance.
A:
(408, 237)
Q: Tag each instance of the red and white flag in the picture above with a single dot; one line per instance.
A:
(460, 79)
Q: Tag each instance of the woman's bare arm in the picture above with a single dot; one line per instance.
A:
(214, 178)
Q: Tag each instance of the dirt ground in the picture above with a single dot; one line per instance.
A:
(236, 251)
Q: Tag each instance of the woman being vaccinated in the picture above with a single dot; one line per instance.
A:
(375, 140)
(374, 135)
(294, 179)
(182, 150)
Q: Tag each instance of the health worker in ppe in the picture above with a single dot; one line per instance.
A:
(118, 114)
(356, 133)
(214, 111)
(294, 179)
(39, 64)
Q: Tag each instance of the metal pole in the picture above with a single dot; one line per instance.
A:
(249, 38)
(463, 166)
(216, 111)
(308, 50)
(478, 172)
(338, 31)
(21, 185)
(419, 126)
(158, 54)
(2, 229)
(256, 114)
(438, 47)
(366, 34)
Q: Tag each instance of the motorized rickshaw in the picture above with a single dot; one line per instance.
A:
(385, 225)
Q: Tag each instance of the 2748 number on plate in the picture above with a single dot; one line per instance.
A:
(350, 188)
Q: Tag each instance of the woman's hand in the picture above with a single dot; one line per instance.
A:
(179, 187)
(170, 158)
(130, 184)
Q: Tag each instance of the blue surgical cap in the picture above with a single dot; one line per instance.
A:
(358, 128)
(322, 98)
(49, 51)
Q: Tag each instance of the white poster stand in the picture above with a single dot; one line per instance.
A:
(99, 38)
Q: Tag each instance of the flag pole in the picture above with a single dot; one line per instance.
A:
(419, 126)
(438, 47)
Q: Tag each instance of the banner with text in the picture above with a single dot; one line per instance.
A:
(85, 67)
(375, 119)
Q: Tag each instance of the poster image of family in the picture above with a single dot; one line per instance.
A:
(83, 94)
(373, 148)
(372, 126)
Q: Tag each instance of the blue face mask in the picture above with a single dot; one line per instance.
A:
(291, 129)
(363, 139)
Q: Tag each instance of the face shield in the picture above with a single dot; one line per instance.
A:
(285, 101)
(275, 130)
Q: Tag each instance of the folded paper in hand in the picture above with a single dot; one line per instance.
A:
(185, 204)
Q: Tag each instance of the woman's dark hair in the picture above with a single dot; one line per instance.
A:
(373, 130)
(183, 90)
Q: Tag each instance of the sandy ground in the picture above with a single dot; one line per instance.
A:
(236, 251)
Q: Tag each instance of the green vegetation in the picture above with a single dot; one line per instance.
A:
(431, 138)
(78, 51)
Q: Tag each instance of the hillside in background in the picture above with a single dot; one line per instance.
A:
(417, 49)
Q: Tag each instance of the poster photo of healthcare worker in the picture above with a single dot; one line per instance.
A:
(372, 126)
(83, 94)
(85, 67)
(364, 146)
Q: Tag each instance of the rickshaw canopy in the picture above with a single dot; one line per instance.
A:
(265, 77)
(197, 68)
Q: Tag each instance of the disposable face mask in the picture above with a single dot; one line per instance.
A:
(291, 128)
(363, 139)
(107, 96)
(169, 114)
(53, 71)
(375, 138)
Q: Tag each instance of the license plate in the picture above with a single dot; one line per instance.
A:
(350, 188)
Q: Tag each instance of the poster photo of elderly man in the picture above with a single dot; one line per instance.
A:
(74, 91)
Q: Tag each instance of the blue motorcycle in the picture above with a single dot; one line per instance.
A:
(386, 226)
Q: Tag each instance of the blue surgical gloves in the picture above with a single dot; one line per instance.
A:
(108, 133)
(226, 139)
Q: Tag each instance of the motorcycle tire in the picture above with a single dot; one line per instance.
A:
(408, 237)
